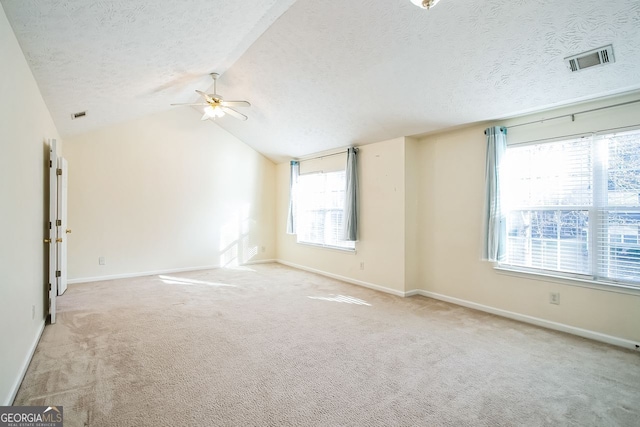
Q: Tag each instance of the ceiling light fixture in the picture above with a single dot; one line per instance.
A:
(213, 111)
(425, 4)
(215, 106)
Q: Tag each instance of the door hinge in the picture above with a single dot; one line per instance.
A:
(49, 225)
(50, 164)
(49, 287)
(58, 171)
(58, 222)
(58, 273)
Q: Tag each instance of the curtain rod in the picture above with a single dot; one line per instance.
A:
(576, 135)
(321, 157)
(572, 115)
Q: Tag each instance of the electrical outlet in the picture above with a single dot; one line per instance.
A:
(101, 261)
(263, 249)
(362, 266)
(554, 298)
(33, 312)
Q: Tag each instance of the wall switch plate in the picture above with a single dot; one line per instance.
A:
(101, 261)
(362, 266)
(554, 298)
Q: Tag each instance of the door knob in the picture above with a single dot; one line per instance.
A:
(47, 240)
(59, 240)
(68, 230)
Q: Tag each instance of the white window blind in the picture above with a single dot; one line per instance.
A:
(618, 256)
(573, 207)
(320, 207)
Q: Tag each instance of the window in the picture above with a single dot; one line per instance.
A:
(573, 207)
(320, 206)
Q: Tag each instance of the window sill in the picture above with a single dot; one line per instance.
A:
(331, 248)
(568, 280)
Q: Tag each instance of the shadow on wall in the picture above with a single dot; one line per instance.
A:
(236, 247)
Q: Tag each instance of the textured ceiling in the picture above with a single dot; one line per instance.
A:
(322, 74)
(120, 59)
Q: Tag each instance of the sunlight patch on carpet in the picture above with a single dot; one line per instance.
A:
(183, 281)
(239, 268)
(342, 298)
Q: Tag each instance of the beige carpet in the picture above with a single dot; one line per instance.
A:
(273, 346)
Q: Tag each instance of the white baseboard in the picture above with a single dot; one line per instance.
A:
(261, 261)
(25, 366)
(345, 279)
(412, 293)
(585, 333)
(140, 274)
(155, 273)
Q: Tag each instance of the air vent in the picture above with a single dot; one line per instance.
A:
(78, 115)
(592, 58)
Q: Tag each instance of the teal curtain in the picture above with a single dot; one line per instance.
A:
(350, 219)
(495, 229)
(291, 217)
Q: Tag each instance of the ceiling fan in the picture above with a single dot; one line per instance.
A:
(216, 106)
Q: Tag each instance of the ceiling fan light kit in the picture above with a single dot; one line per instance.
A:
(213, 111)
(425, 4)
(216, 106)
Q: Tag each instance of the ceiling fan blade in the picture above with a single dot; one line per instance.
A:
(204, 95)
(236, 104)
(205, 117)
(200, 103)
(234, 113)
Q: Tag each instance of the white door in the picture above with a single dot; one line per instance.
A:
(62, 225)
(53, 202)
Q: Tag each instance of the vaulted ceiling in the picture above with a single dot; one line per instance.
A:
(322, 74)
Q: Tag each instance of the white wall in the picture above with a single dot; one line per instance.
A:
(451, 203)
(166, 192)
(381, 245)
(25, 125)
(412, 245)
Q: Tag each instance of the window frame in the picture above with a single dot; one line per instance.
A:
(596, 246)
(327, 210)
